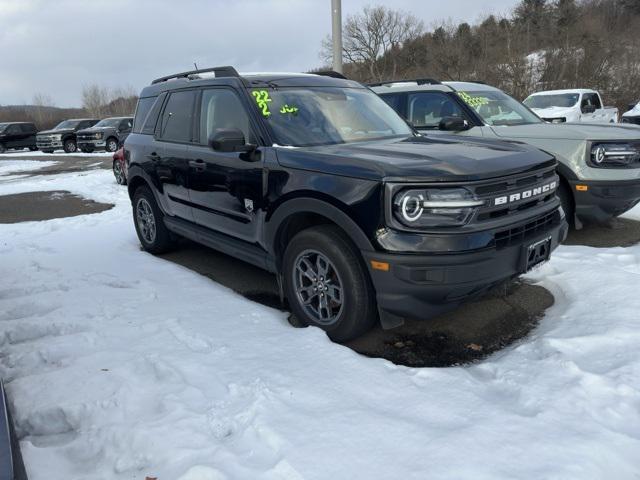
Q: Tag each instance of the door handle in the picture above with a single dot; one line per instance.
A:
(198, 164)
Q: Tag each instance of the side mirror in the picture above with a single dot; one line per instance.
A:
(588, 109)
(229, 140)
(453, 124)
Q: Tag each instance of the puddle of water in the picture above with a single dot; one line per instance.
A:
(38, 206)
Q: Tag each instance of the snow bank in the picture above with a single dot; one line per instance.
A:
(21, 166)
(122, 365)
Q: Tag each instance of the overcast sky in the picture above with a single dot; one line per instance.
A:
(56, 47)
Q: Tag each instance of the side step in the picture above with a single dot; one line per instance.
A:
(11, 464)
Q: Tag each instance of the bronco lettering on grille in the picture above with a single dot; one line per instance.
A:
(526, 194)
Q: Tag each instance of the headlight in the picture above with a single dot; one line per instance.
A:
(434, 207)
(97, 136)
(615, 155)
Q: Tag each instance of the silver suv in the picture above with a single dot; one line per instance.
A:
(599, 164)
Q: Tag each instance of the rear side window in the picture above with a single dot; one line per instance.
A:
(427, 109)
(394, 100)
(28, 128)
(142, 110)
(177, 118)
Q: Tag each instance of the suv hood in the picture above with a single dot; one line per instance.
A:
(56, 132)
(570, 131)
(94, 129)
(436, 159)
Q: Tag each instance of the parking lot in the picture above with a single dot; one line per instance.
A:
(107, 347)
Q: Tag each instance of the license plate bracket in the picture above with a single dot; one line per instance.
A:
(536, 253)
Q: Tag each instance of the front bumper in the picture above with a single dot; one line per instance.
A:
(48, 144)
(422, 286)
(602, 200)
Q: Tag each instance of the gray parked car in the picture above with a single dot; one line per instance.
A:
(107, 134)
(63, 135)
(598, 164)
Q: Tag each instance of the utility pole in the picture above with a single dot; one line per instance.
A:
(336, 37)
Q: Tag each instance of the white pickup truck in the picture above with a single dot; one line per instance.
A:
(579, 105)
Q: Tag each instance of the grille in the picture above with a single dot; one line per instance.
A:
(513, 185)
(532, 228)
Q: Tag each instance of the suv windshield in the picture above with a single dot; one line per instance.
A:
(497, 108)
(67, 124)
(327, 115)
(108, 122)
(564, 100)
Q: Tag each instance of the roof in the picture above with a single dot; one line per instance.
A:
(568, 90)
(251, 80)
(412, 86)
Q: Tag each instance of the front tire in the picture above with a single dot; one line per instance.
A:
(33, 149)
(111, 145)
(70, 146)
(567, 202)
(119, 173)
(327, 284)
(154, 236)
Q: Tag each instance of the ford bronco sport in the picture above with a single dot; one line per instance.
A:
(319, 181)
(598, 164)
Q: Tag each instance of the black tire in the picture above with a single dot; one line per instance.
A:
(111, 145)
(33, 149)
(47, 151)
(161, 241)
(121, 178)
(357, 312)
(70, 146)
(568, 203)
(2, 148)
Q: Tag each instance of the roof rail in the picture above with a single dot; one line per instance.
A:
(330, 73)
(419, 81)
(219, 71)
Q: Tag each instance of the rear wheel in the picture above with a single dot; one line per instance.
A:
(327, 285)
(70, 146)
(149, 222)
(2, 148)
(47, 151)
(33, 149)
(111, 145)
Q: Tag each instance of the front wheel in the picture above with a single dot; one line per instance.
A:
(327, 284)
(70, 146)
(111, 145)
(149, 221)
(119, 173)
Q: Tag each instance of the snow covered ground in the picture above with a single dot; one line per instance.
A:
(121, 365)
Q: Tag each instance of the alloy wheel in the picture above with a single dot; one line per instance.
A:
(146, 220)
(318, 287)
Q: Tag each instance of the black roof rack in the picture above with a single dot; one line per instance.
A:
(330, 73)
(419, 81)
(219, 71)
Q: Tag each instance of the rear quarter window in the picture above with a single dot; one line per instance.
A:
(142, 111)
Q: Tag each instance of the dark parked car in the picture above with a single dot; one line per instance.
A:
(107, 134)
(317, 179)
(63, 136)
(17, 135)
(120, 167)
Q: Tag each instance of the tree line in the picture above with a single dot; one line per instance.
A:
(540, 45)
(97, 102)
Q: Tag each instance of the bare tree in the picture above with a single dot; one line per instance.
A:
(41, 113)
(94, 98)
(372, 39)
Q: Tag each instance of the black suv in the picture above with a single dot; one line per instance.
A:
(17, 135)
(316, 179)
(108, 134)
(63, 135)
